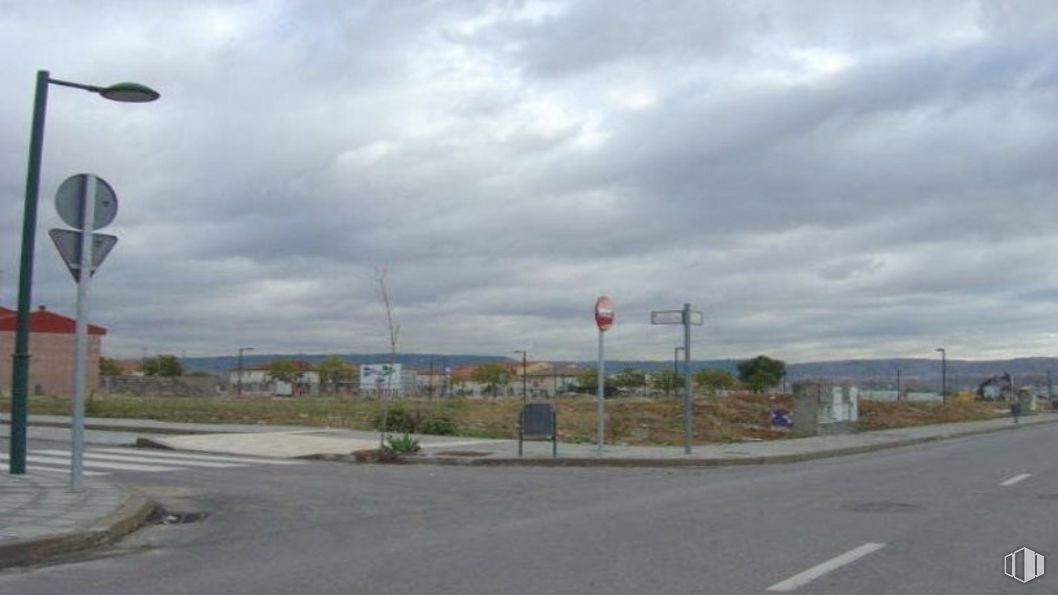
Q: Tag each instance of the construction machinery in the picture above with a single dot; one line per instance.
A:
(996, 388)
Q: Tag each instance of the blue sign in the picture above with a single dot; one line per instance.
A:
(781, 418)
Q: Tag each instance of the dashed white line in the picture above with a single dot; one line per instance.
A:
(799, 580)
(1015, 479)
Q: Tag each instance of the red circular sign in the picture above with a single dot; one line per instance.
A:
(604, 313)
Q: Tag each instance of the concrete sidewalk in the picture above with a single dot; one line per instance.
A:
(338, 444)
(40, 517)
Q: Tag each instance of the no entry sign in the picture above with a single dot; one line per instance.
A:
(604, 313)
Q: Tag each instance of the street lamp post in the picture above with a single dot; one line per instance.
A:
(238, 384)
(525, 354)
(124, 92)
(943, 375)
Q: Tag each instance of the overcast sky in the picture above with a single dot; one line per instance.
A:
(823, 179)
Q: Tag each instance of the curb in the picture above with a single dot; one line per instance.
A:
(630, 462)
(126, 519)
(113, 428)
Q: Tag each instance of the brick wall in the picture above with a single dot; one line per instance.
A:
(51, 363)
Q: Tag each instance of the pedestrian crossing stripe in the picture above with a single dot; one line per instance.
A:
(129, 458)
(100, 461)
(166, 454)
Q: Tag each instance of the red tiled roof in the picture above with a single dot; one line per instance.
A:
(46, 321)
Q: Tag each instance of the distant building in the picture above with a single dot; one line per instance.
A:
(434, 381)
(258, 379)
(51, 348)
(543, 380)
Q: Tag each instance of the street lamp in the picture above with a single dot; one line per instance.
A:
(124, 92)
(525, 354)
(238, 384)
(943, 374)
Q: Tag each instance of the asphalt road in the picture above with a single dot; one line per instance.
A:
(925, 519)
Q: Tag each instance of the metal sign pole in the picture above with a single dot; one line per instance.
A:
(84, 275)
(687, 403)
(603, 320)
(600, 396)
(686, 317)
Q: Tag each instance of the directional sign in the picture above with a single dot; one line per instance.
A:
(666, 317)
(674, 317)
(69, 244)
(69, 201)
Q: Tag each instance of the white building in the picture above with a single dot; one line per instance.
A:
(258, 380)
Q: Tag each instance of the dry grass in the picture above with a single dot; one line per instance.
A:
(628, 421)
(877, 415)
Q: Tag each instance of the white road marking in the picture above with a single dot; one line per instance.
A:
(799, 580)
(50, 470)
(1015, 479)
(166, 454)
(91, 455)
(59, 461)
(3, 458)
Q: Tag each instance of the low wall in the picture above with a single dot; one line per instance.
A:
(156, 386)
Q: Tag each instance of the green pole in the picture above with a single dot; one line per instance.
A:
(20, 356)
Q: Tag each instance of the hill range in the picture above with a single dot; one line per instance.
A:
(879, 373)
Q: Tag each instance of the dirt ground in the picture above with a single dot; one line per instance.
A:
(642, 422)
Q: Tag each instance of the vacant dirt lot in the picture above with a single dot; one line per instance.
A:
(629, 421)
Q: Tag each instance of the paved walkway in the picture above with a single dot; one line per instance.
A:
(333, 444)
(40, 517)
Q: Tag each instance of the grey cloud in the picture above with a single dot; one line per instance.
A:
(822, 179)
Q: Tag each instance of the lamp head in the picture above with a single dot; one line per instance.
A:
(129, 93)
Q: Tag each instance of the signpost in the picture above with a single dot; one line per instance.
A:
(88, 203)
(687, 318)
(604, 320)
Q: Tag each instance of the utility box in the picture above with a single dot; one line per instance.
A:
(1029, 402)
(825, 408)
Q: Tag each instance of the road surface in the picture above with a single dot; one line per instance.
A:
(936, 518)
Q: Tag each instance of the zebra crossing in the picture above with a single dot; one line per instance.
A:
(103, 461)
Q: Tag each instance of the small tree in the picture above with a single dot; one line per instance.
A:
(284, 371)
(761, 373)
(666, 380)
(109, 367)
(713, 381)
(493, 376)
(333, 370)
(630, 378)
(588, 382)
(167, 366)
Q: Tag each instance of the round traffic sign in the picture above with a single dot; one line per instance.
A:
(70, 196)
(604, 313)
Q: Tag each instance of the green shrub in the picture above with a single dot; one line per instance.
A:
(438, 426)
(400, 445)
(92, 407)
(396, 418)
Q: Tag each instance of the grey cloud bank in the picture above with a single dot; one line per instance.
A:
(824, 179)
